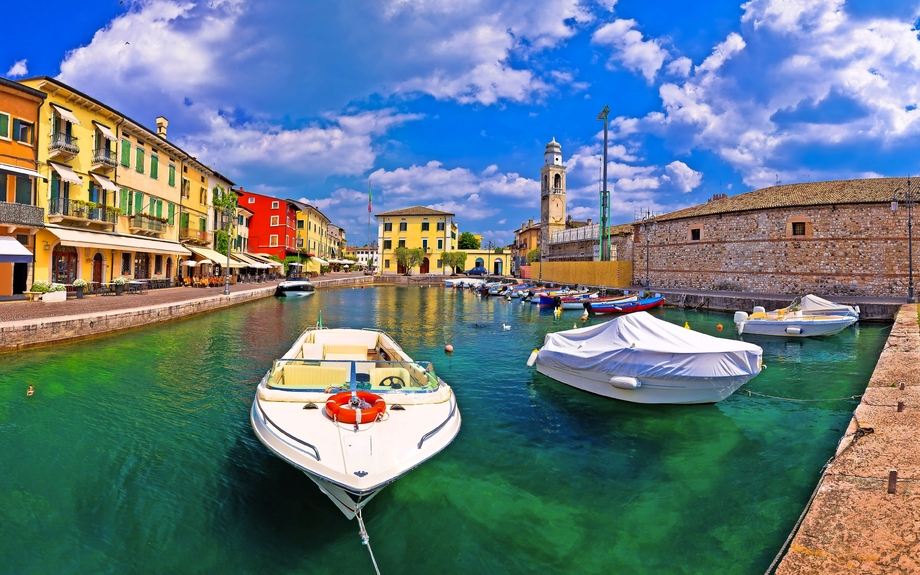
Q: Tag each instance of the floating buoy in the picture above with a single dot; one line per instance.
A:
(686, 325)
(719, 327)
(449, 348)
(362, 287)
(574, 326)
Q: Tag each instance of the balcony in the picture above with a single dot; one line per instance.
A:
(146, 225)
(62, 147)
(103, 160)
(13, 215)
(80, 212)
(197, 237)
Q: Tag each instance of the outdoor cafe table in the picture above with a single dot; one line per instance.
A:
(137, 286)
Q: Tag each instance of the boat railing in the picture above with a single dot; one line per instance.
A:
(453, 409)
(280, 429)
(352, 374)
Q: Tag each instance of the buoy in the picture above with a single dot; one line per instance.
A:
(449, 348)
(719, 327)
(686, 325)
(533, 358)
(574, 326)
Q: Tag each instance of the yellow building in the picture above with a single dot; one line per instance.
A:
(312, 233)
(195, 224)
(107, 200)
(418, 227)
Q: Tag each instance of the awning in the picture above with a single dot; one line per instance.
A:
(20, 171)
(251, 262)
(11, 251)
(266, 260)
(106, 183)
(106, 133)
(215, 257)
(122, 242)
(66, 114)
(66, 172)
(320, 261)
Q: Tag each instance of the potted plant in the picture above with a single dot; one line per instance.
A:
(55, 292)
(79, 285)
(119, 285)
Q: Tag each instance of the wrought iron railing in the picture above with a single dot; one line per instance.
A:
(104, 156)
(146, 222)
(22, 214)
(63, 142)
(80, 209)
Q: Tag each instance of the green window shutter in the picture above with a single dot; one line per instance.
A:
(138, 203)
(125, 153)
(23, 190)
(172, 213)
(159, 208)
(139, 161)
(172, 175)
(16, 129)
(154, 167)
(4, 125)
(124, 201)
(202, 224)
(184, 219)
(152, 207)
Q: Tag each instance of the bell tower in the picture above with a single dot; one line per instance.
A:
(552, 195)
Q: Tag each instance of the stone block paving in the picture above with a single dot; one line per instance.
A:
(855, 524)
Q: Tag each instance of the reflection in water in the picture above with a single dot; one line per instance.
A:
(137, 450)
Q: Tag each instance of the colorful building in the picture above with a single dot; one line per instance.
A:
(418, 227)
(20, 216)
(272, 226)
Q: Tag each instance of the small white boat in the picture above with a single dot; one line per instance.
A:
(350, 409)
(642, 359)
(790, 323)
(295, 286)
(813, 305)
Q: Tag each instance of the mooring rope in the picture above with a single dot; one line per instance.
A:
(749, 392)
(365, 538)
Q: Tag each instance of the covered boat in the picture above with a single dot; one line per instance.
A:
(642, 359)
(813, 305)
(354, 412)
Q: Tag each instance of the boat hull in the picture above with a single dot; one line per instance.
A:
(650, 391)
(294, 289)
(800, 327)
(629, 307)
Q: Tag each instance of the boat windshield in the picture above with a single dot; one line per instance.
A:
(332, 376)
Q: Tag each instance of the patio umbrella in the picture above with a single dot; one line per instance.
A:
(189, 263)
(202, 262)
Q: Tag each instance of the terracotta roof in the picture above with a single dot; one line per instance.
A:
(414, 211)
(621, 229)
(867, 191)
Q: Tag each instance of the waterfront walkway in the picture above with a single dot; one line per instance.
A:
(865, 513)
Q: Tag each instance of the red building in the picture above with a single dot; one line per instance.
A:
(272, 228)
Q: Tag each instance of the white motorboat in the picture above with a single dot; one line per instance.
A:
(813, 305)
(786, 323)
(350, 409)
(642, 359)
(295, 286)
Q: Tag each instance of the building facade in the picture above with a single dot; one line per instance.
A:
(367, 256)
(20, 216)
(337, 241)
(432, 231)
(272, 228)
(552, 193)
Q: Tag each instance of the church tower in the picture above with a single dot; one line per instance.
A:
(552, 195)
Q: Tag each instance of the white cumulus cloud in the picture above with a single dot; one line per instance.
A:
(630, 49)
(18, 69)
(683, 176)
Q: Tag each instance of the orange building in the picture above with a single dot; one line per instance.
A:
(20, 217)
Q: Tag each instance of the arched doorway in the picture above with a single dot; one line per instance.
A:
(479, 263)
(141, 265)
(64, 264)
(425, 265)
(98, 265)
(169, 268)
(497, 267)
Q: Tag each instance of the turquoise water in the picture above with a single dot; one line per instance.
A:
(136, 455)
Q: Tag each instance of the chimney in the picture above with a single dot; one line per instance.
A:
(530, 223)
(589, 221)
(161, 126)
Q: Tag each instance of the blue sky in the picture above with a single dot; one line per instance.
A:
(450, 104)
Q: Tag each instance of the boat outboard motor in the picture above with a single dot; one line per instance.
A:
(557, 302)
(588, 309)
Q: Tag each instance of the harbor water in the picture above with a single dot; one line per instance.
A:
(136, 454)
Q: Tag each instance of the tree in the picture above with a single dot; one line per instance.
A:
(533, 255)
(456, 260)
(409, 258)
(468, 241)
(224, 203)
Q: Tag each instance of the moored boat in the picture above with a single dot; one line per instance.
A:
(604, 308)
(578, 301)
(642, 359)
(354, 412)
(295, 286)
(790, 323)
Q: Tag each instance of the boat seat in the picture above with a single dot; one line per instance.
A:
(758, 315)
(312, 376)
(378, 374)
(312, 351)
(339, 351)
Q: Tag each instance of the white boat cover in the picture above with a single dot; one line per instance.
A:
(813, 305)
(642, 346)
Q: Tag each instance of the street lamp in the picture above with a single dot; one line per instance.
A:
(228, 211)
(604, 238)
(649, 226)
(909, 200)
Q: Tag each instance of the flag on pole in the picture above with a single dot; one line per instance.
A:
(369, 196)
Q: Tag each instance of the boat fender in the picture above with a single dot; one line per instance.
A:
(533, 357)
(625, 382)
(794, 330)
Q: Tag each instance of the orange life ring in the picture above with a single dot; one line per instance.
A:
(334, 407)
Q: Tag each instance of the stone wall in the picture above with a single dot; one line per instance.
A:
(858, 250)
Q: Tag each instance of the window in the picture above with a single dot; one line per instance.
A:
(439, 264)
(440, 244)
(798, 228)
(252, 200)
(274, 205)
(125, 264)
(202, 196)
(440, 226)
(186, 188)
(171, 214)
(695, 234)
(22, 131)
(425, 226)
(388, 226)
(402, 243)
(184, 169)
(387, 244)
(125, 153)
(273, 240)
(172, 175)
(403, 226)
(202, 179)
(154, 166)
(4, 126)
(158, 264)
(299, 224)
(275, 220)
(139, 160)
(386, 263)
(425, 245)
